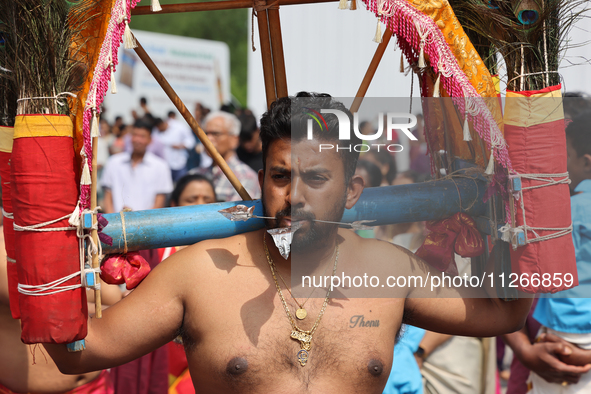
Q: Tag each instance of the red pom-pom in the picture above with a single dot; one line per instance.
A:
(130, 268)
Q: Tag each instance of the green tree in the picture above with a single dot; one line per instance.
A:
(229, 26)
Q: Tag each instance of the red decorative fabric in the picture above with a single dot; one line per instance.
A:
(44, 189)
(183, 384)
(469, 242)
(177, 359)
(455, 234)
(145, 375)
(9, 234)
(130, 268)
(541, 149)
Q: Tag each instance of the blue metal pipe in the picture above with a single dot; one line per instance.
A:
(158, 228)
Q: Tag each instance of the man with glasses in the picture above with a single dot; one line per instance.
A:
(223, 129)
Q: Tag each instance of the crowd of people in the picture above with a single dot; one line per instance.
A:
(140, 163)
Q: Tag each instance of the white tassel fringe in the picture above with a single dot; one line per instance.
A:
(422, 63)
(94, 129)
(113, 84)
(86, 180)
(343, 5)
(155, 6)
(467, 135)
(436, 86)
(378, 36)
(75, 218)
(128, 39)
(490, 168)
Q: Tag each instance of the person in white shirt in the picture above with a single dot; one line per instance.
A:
(138, 180)
(176, 138)
(223, 130)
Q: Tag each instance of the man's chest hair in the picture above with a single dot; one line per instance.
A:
(340, 349)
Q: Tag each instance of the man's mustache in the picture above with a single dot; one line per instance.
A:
(296, 214)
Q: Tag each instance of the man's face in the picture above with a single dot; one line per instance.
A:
(197, 193)
(140, 139)
(217, 131)
(162, 126)
(299, 184)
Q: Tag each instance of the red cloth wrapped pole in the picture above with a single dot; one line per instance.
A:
(44, 188)
(534, 130)
(6, 135)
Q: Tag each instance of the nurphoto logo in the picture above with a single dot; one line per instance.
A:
(392, 123)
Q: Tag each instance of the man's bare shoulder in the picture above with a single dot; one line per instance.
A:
(377, 250)
(217, 256)
(381, 257)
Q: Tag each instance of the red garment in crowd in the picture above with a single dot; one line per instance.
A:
(147, 374)
(178, 366)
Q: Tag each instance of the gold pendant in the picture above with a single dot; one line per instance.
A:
(304, 339)
(301, 314)
(303, 357)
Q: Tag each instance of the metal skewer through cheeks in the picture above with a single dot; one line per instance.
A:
(282, 236)
(241, 213)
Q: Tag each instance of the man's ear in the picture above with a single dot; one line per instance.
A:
(261, 178)
(587, 163)
(356, 186)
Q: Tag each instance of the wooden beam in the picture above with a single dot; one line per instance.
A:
(277, 50)
(98, 308)
(371, 71)
(180, 106)
(266, 56)
(214, 6)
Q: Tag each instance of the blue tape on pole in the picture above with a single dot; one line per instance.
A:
(90, 279)
(76, 346)
(520, 239)
(516, 184)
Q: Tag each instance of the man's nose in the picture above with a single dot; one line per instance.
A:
(296, 194)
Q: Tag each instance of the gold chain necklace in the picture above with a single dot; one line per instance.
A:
(303, 336)
(301, 312)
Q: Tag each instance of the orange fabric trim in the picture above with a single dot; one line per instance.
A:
(87, 50)
(6, 136)
(463, 50)
(472, 65)
(43, 126)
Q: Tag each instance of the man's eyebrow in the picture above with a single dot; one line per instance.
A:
(280, 169)
(316, 170)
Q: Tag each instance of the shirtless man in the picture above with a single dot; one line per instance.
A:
(222, 296)
(26, 368)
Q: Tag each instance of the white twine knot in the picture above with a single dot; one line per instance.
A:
(57, 98)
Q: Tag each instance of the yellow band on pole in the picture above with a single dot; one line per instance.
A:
(526, 110)
(26, 126)
(6, 135)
